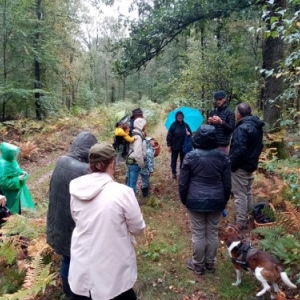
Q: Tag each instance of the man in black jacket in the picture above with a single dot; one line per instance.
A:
(245, 149)
(175, 139)
(223, 119)
(60, 224)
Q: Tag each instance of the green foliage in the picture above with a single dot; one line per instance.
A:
(159, 26)
(8, 252)
(23, 226)
(35, 282)
(277, 241)
(11, 279)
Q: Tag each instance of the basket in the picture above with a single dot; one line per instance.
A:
(266, 225)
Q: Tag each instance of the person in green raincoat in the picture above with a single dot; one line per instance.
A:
(13, 180)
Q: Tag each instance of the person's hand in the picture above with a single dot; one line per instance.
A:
(169, 148)
(216, 120)
(210, 120)
(135, 137)
(2, 200)
(188, 133)
(151, 173)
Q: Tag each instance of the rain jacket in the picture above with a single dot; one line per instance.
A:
(246, 144)
(225, 129)
(149, 160)
(176, 134)
(107, 214)
(14, 189)
(60, 224)
(205, 176)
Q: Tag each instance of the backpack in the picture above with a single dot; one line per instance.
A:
(133, 134)
(120, 145)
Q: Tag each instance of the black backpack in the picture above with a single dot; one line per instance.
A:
(119, 142)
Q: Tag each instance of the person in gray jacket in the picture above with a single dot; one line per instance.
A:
(60, 223)
(204, 188)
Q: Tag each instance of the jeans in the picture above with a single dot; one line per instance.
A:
(204, 227)
(128, 295)
(242, 190)
(174, 157)
(133, 174)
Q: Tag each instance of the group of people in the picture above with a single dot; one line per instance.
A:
(92, 219)
(226, 153)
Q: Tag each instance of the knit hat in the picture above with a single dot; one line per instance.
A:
(205, 137)
(104, 151)
(137, 112)
(139, 123)
(220, 95)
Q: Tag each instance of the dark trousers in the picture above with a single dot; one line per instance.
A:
(174, 157)
(128, 295)
(64, 274)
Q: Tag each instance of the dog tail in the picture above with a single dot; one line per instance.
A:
(286, 280)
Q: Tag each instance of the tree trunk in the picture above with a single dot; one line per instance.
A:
(37, 69)
(273, 53)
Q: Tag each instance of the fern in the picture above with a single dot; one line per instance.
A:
(36, 280)
(23, 226)
(8, 252)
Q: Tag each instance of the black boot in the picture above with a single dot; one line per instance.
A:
(145, 192)
(66, 289)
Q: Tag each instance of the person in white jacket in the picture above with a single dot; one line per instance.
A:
(137, 153)
(107, 217)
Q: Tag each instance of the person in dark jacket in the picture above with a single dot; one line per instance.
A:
(175, 139)
(204, 188)
(60, 223)
(245, 149)
(223, 119)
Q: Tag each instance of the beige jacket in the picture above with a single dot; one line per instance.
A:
(106, 214)
(138, 148)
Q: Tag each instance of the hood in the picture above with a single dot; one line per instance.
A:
(179, 113)
(205, 137)
(87, 187)
(9, 151)
(139, 123)
(254, 120)
(81, 146)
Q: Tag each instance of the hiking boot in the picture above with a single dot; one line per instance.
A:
(197, 269)
(210, 267)
(174, 176)
(145, 192)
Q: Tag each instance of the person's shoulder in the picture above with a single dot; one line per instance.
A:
(120, 188)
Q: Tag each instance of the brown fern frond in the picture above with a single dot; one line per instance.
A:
(289, 219)
(27, 149)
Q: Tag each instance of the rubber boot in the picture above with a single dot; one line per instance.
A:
(145, 192)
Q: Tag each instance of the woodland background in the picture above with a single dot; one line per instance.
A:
(64, 69)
